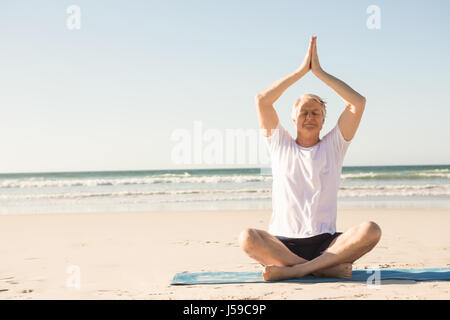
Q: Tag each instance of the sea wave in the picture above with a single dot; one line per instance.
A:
(398, 187)
(394, 190)
(406, 175)
(187, 178)
(81, 195)
(181, 195)
(172, 179)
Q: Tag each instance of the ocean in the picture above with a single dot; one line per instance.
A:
(426, 186)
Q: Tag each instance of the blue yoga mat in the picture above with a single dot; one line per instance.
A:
(430, 274)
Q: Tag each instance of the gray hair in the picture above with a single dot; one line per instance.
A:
(310, 96)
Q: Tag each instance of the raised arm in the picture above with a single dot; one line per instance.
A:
(267, 116)
(355, 103)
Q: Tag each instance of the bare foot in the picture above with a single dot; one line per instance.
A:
(273, 273)
(341, 271)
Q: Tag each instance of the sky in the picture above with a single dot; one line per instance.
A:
(113, 93)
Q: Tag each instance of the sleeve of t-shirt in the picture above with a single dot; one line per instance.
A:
(338, 144)
(279, 137)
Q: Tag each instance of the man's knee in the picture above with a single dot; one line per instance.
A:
(248, 238)
(371, 231)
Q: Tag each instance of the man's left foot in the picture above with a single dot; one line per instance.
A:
(274, 273)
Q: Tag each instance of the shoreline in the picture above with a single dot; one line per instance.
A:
(343, 208)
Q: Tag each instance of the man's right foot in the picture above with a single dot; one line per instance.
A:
(341, 271)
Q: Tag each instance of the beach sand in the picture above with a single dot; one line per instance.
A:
(136, 255)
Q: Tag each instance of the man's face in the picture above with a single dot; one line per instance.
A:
(309, 117)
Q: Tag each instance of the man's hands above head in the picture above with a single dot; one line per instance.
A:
(306, 64)
(315, 65)
(311, 60)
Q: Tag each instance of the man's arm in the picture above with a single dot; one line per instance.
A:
(268, 118)
(355, 103)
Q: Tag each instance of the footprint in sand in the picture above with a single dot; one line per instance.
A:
(112, 291)
(79, 245)
(232, 244)
(329, 298)
(210, 242)
(7, 278)
(27, 291)
(184, 243)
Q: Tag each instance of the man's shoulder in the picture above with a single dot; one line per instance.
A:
(328, 135)
(280, 136)
(326, 139)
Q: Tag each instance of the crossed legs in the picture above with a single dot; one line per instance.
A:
(280, 263)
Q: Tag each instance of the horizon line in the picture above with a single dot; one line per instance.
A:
(215, 168)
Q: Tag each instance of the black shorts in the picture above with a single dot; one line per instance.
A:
(309, 248)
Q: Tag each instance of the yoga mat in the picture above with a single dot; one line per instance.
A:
(429, 274)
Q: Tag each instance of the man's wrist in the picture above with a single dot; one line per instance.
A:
(301, 71)
(319, 73)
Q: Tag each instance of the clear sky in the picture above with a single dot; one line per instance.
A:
(109, 96)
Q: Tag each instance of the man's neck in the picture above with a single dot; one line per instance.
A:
(307, 142)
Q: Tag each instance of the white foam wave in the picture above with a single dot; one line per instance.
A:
(434, 174)
(394, 190)
(233, 198)
(360, 175)
(397, 187)
(438, 173)
(129, 194)
(211, 194)
(40, 183)
(186, 178)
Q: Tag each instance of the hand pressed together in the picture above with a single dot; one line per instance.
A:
(311, 60)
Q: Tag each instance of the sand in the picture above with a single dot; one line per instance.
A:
(135, 255)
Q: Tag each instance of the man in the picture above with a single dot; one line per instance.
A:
(302, 237)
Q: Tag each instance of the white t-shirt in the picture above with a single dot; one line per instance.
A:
(305, 183)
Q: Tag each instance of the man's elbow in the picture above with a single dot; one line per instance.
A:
(357, 106)
(259, 98)
(361, 104)
(262, 100)
(363, 101)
